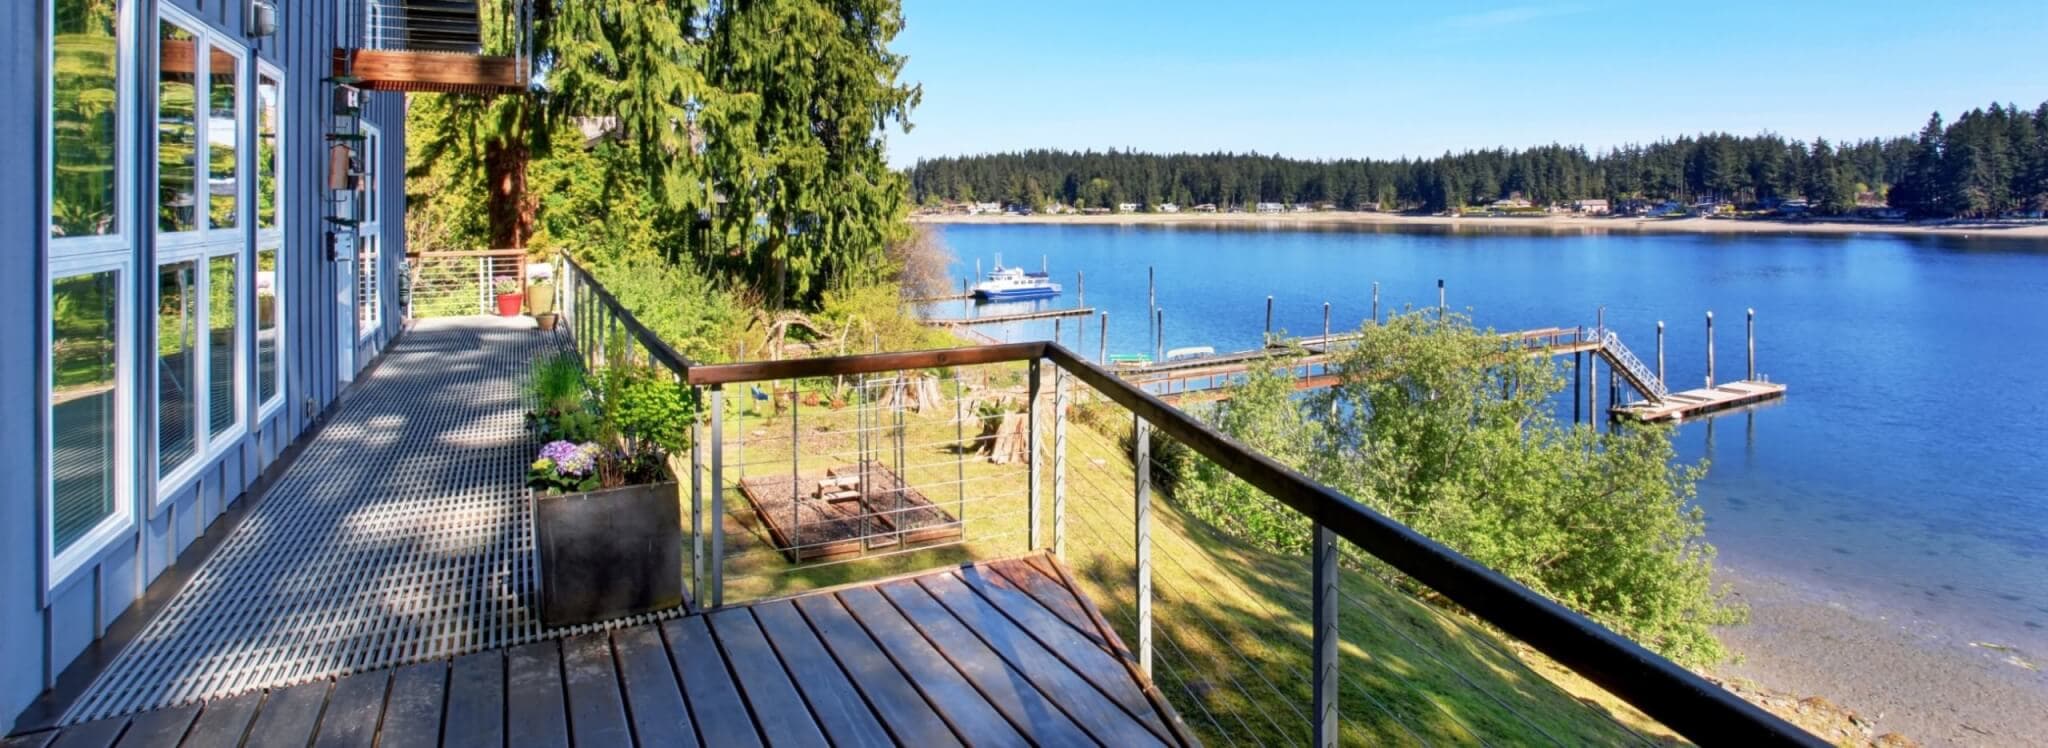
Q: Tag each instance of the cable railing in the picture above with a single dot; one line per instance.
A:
(815, 472)
(454, 284)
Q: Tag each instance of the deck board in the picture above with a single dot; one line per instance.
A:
(222, 723)
(289, 716)
(412, 713)
(778, 709)
(996, 654)
(1009, 691)
(652, 695)
(162, 727)
(910, 719)
(714, 701)
(354, 710)
(1056, 638)
(597, 711)
(536, 712)
(475, 715)
(838, 706)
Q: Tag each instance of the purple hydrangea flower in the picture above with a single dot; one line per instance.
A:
(569, 457)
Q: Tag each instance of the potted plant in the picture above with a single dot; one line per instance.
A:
(607, 515)
(540, 301)
(510, 297)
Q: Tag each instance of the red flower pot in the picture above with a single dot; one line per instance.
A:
(509, 304)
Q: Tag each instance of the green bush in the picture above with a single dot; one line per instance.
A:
(1434, 425)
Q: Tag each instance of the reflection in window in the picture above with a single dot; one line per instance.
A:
(177, 132)
(83, 83)
(266, 151)
(83, 313)
(223, 138)
(177, 363)
(268, 310)
(223, 345)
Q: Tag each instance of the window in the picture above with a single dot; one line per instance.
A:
(269, 238)
(202, 250)
(177, 356)
(87, 500)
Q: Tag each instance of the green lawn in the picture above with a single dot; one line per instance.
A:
(1230, 620)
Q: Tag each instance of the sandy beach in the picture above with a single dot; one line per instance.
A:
(1587, 224)
(1901, 673)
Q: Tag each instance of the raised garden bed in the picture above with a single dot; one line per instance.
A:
(825, 516)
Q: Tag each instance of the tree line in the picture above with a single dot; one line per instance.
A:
(1988, 162)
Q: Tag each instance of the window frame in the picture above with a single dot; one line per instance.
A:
(270, 240)
(70, 256)
(203, 244)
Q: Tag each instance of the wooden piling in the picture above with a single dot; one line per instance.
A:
(1159, 335)
(1660, 351)
(1710, 349)
(1441, 304)
(1102, 354)
(1056, 340)
(1080, 288)
(1326, 337)
(1375, 302)
(1269, 320)
(1752, 344)
(1578, 383)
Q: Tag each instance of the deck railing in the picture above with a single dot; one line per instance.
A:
(454, 284)
(821, 471)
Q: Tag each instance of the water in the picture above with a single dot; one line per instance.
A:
(1905, 470)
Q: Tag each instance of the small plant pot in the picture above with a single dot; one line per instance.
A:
(510, 303)
(608, 554)
(540, 299)
(545, 321)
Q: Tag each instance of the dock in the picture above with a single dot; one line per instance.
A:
(1680, 405)
(997, 319)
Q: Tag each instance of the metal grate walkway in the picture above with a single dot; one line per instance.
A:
(400, 535)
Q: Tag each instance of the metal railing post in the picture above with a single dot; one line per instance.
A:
(1059, 463)
(1141, 458)
(1326, 635)
(697, 507)
(717, 496)
(1031, 446)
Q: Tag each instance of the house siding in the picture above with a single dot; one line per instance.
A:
(47, 629)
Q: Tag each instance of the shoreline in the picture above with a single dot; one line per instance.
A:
(1898, 672)
(1550, 223)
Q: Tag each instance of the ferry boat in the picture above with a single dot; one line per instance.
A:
(1014, 284)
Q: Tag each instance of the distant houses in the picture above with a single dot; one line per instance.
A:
(1590, 207)
(1205, 208)
(1169, 208)
(1127, 207)
(1269, 208)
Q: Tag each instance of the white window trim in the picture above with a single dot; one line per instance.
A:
(271, 239)
(205, 243)
(74, 255)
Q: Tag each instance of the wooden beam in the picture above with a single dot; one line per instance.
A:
(444, 72)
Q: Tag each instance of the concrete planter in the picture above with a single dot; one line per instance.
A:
(608, 553)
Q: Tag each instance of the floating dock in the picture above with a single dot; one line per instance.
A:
(1679, 406)
(997, 319)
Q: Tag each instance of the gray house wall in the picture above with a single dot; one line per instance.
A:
(44, 632)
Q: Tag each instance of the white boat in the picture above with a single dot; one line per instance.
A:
(1015, 284)
(1195, 351)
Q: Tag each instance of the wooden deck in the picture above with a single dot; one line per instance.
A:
(1002, 653)
(1682, 405)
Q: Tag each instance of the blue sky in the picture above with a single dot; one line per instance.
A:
(1389, 79)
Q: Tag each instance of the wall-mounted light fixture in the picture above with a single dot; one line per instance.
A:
(262, 17)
